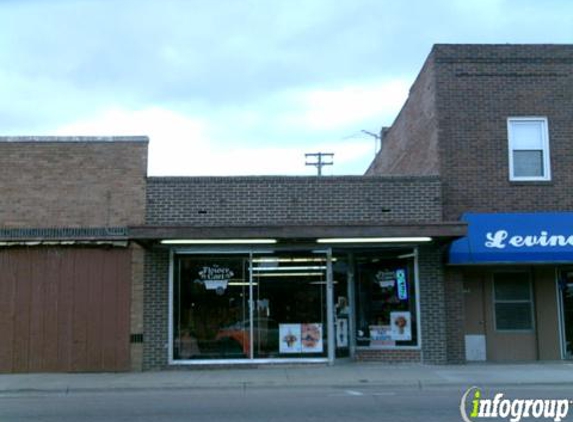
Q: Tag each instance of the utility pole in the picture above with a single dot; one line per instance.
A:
(321, 159)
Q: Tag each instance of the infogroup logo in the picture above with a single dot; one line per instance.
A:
(474, 407)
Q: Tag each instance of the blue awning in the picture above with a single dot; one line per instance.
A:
(515, 238)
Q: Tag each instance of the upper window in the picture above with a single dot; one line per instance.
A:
(528, 149)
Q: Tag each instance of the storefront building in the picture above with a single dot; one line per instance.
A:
(70, 278)
(494, 123)
(518, 280)
(254, 270)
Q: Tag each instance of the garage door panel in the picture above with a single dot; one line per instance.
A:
(70, 309)
(50, 317)
(65, 312)
(110, 318)
(81, 278)
(38, 281)
(7, 306)
(21, 337)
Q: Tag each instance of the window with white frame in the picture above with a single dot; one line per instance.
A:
(513, 301)
(528, 149)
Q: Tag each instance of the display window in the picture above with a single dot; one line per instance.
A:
(210, 300)
(386, 314)
(270, 306)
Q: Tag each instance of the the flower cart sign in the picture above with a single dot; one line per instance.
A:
(215, 277)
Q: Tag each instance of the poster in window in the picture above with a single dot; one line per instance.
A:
(311, 338)
(381, 335)
(401, 324)
(341, 332)
(289, 335)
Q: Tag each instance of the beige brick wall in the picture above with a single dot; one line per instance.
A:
(137, 260)
(72, 182)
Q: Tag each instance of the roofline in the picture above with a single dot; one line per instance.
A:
(74, 139)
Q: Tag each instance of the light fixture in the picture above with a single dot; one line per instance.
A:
(218, 241)
(374, 240)
(289, 274)
(259, 260)
(293, 268)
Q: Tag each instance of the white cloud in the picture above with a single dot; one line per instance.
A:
(182, 145)
(346, 106)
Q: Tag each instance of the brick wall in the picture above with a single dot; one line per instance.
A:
(220, 201)
(155, 309)
(455, 313)
(72, 182)
(410, 146)
(136, 314)
(479, 87)
(432, 306)
(388, 355)
(470, 91)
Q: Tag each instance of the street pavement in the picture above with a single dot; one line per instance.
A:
(342, 374)
(262, 404)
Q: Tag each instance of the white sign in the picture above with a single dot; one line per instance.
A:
(381, 335)
(401, 323)
(311, 338)
(215, 278)
(289, 338)
(342, 332)
(501, 238)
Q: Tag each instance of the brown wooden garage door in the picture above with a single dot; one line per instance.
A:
(64, 309)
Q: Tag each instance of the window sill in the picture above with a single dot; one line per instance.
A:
(531, 183)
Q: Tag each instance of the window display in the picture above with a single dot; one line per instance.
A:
(385, 301)
(211, 315)
(210, 307)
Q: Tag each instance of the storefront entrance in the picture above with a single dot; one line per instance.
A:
(292, 305)
(255, 306)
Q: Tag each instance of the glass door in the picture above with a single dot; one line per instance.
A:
(289, 305)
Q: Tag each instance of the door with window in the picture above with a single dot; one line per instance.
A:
(510, 317)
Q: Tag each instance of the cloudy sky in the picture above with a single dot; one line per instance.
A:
(229, 87)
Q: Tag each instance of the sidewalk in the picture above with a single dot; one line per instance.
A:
(346, 374)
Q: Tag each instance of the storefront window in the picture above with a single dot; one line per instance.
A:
(385, 301)
(210, 300)
(290, 306)
(212, 317)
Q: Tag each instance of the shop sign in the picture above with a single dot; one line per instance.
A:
(515, 237)
(385, 279)
(402, 285)
(215, 278)
(381, 335)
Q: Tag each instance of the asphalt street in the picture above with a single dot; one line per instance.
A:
(439, 404)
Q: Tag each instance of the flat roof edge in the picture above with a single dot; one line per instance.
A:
(72, 139)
